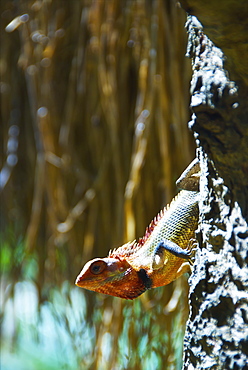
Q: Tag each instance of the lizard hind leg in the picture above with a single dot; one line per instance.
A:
(190, 178)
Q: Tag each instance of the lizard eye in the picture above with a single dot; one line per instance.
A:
(97, 267)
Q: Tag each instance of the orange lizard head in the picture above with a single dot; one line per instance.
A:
(112, 276)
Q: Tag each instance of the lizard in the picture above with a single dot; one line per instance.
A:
(161, 256)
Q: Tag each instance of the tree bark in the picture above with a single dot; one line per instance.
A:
(217, 331)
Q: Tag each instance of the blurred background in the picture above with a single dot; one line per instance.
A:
(93, 132)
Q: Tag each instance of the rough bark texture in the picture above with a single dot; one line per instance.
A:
(217, 331)
(225, 23)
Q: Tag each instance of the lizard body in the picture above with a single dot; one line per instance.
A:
(155, 260)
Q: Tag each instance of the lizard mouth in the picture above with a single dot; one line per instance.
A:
(78, 279)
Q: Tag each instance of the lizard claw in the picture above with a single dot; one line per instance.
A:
(192, 247)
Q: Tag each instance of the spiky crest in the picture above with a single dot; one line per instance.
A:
(151, 227)
(124, 250)
(154, 222)
(130, 247)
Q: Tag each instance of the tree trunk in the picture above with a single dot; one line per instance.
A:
(217, 330)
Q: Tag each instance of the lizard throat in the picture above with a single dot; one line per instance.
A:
(147, 281)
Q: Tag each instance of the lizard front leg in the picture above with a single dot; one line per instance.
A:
(175, 249)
